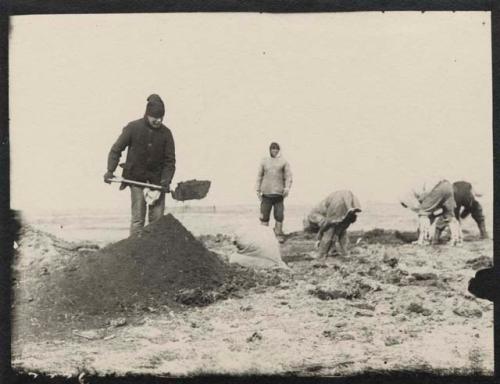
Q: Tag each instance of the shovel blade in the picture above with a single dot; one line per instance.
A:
(191, 190)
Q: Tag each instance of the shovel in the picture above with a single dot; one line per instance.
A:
(185, 190)
(133, 182)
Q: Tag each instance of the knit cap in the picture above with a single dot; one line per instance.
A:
(155, 106)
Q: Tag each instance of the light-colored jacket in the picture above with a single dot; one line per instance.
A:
(333, 209)
(274, 176)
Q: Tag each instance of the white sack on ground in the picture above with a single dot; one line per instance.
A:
(257, 247)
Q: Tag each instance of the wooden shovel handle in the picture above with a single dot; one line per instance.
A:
(138, 183)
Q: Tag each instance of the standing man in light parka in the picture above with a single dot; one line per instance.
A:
(274, 180)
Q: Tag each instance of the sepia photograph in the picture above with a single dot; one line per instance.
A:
(304, 194)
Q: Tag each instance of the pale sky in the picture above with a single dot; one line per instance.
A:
(362, 101)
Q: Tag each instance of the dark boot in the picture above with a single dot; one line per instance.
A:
(278, 231)
(482, 230)
(477, 214)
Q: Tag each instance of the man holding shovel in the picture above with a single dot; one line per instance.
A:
(150, 159)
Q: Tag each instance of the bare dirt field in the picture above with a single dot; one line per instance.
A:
(388, 306)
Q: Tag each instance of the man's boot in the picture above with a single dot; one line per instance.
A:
(482, 230)
(278, 231)
(477, 214)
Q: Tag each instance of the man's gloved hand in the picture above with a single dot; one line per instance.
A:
(165, 186)
(108, 176)
(285, 193)
(259, 195)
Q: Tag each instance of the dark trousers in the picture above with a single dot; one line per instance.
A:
(274, 202)
(468, 205)
(334, 233)
(476, 211)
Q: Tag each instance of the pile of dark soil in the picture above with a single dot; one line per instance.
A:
(139, 272)
(164, 268)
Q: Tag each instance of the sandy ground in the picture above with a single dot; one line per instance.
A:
(388, 306)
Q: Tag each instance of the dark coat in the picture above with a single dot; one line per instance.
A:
(150, 155)
(466, 204)
(465, 198)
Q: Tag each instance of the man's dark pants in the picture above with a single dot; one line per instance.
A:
(464, 197)
(466, 204)
(274, 202)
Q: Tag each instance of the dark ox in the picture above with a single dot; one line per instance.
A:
(467, 204)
